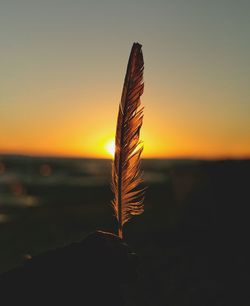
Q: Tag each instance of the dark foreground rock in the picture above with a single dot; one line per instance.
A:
(86, 273)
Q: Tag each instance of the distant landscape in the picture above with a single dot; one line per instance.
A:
(192, 238)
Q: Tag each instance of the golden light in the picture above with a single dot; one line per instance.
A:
(110, 147)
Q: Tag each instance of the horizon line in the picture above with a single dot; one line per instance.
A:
(172, 157)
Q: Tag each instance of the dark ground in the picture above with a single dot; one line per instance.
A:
(192, 239)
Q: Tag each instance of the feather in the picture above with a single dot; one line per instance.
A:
(126, 172)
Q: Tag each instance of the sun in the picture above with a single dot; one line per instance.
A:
(110, 147)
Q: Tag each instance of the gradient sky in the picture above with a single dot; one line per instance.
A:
(63, 62)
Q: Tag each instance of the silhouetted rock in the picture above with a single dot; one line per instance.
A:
(85, 273)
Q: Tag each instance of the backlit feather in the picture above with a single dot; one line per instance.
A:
(126, 172)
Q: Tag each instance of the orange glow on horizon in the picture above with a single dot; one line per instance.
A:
(78, 135)
(154, 147)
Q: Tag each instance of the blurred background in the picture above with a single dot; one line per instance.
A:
(192, 238)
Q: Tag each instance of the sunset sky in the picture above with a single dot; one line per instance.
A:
(62, 65)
